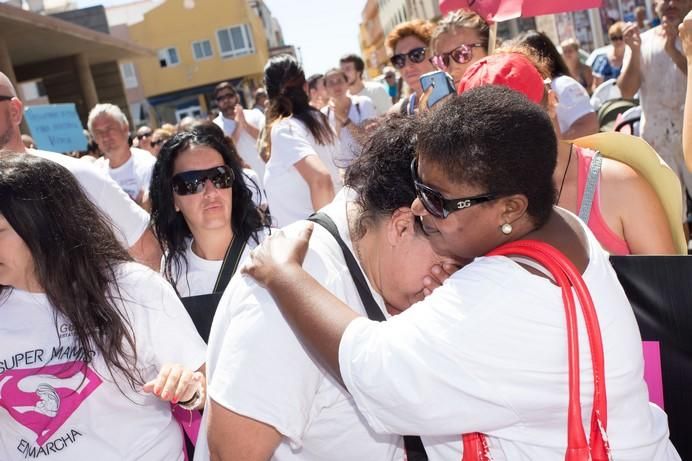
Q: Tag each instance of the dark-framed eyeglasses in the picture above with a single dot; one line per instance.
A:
(436, 204)
(5, 97)
(416, 56)
(192, 182)
(461, 55)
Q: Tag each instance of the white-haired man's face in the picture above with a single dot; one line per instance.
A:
(109, 134)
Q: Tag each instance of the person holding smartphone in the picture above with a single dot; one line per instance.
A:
(459, 40)
(408, 44)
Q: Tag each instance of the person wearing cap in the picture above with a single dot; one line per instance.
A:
(392, 82)
(574, 113)
(626, 215)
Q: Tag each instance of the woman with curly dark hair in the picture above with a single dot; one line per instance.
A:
(301, 176)
(88, 338)
(201, 205)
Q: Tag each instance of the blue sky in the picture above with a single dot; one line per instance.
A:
(324, 30)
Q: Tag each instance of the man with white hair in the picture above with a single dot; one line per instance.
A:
(130, 223)
(130, 167)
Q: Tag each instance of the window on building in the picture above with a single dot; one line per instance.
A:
(235, 41)
(202, 49)
(168, 57)
(127, 69)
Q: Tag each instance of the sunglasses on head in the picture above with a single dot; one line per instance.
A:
(461, 55)
(192, 182)
(416, 56)
(436, 204)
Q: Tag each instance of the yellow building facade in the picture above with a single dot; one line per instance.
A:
(199, 43)
(372, 40)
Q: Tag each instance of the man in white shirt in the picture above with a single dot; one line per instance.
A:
(130, 167)
(353, 66)
(130, 222)
(242, 125)
(347, 115)
(655, 66)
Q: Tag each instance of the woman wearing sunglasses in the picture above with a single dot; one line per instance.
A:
(269, 398)
(608, 65)
(459, 40)
(408, 44)
(488, 350)
(87, 336)
(201, 203)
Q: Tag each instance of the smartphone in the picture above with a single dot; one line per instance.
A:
(442, 84)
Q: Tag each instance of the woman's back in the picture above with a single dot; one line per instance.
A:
(288, 194)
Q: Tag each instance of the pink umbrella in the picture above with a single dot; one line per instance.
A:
(504, 10)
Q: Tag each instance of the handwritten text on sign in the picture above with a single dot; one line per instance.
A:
(56, 127)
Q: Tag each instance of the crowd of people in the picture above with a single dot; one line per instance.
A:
(321, 274)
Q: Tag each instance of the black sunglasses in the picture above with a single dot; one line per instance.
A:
(192, 182)
(157, 142)
(5, 98)
(143, 135)
(436, 204)
(615, 38)
(461, 55)
(416, 56)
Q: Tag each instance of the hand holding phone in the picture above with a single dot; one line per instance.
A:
(441, 83)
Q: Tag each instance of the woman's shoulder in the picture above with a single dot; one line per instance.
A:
(288, 126)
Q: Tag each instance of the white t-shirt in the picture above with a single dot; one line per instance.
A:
(246, 144)
(129, 221)
(202, 273)
(133, 176)
(378, 94)
(288, 194)
(361, 110)
(258, 368)
(487, 352)
(52, 407)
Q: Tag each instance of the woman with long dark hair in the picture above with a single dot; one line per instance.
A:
(301, 176)
(202, 204)
(86, 335)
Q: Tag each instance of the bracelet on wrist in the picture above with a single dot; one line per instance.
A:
(193, 402)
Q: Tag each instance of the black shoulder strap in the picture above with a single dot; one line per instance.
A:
(415, 451)
(230, 263)
(373, 310)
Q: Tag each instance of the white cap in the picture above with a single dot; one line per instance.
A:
(573, 101)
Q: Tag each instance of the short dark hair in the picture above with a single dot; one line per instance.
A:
(496, 139)
(356, 60)
(224, 86)
(381, 174)
(545, 50)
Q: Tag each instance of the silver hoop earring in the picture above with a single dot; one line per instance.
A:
(506, 228)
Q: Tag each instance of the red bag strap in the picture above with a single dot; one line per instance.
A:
(567, 277)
